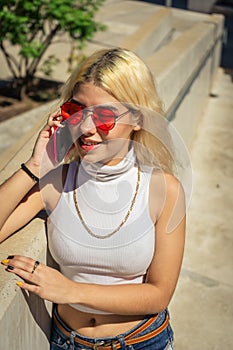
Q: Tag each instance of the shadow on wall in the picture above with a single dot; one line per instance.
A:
(42, 318)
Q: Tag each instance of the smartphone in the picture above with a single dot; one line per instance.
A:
(62, 142)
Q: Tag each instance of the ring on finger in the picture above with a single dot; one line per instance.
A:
(36, 264)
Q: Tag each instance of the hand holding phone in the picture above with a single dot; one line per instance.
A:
(62, 139)
(62, 142)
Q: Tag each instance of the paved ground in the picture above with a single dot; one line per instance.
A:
(202, 309)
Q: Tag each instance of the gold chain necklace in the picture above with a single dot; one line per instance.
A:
(122, 222)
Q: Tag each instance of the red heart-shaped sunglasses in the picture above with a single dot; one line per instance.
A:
(104, 117)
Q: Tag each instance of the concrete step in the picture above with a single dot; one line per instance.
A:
(153, 33)
(185, 68)
(179, 58)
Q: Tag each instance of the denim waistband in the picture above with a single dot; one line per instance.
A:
(135, 335)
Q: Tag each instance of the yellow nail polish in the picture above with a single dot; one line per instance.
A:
(5, 261)
(19, 283)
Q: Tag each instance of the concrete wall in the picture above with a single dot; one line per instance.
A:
(184, 65)
(200, 5)
(184, 82)
(24, 318)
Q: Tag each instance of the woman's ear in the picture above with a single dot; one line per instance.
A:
(137, 127)
(138, 122)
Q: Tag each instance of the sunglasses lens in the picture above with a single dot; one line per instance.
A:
(104, 118)
(75, 118)
(69, 108)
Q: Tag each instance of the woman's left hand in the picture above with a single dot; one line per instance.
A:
(40, 279)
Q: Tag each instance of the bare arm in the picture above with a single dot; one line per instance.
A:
(13, 190)
(23, 213)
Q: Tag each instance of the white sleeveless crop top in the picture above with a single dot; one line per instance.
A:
(104, 196)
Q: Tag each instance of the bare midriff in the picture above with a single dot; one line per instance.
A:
(96, 325)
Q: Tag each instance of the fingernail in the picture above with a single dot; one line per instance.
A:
(9, 267)
(10, 257)
(18, 283)
(5, 261)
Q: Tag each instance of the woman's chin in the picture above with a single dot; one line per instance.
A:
(108, 152)
(94, 154)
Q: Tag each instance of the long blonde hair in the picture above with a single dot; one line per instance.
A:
(126, 77)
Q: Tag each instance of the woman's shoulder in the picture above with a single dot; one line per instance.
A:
(53, 185)
(164, 182)
(166, 194)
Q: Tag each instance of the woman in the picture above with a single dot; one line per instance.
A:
(116, 214)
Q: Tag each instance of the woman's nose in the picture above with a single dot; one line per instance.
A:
(88, 126)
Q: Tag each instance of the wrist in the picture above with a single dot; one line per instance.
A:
(75, 292)
(30, 174)
(33, 166)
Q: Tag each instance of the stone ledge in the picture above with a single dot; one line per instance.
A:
(26, 124)
(20, 309)
(152, 33)
(30, 241)
(189, 49)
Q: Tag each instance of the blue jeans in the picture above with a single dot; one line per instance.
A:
(161, 341)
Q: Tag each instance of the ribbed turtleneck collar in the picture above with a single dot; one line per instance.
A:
(101, 172)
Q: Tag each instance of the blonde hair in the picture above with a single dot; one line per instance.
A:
(126, 77)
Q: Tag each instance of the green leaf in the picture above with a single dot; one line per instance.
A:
(32, 24)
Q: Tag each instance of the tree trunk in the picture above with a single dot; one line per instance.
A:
(21, 88)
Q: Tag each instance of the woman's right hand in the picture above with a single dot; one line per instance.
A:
(53, 122)
(13, 190)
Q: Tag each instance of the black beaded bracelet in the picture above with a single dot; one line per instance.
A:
(27, 171)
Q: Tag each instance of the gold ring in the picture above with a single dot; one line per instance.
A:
(37, 263)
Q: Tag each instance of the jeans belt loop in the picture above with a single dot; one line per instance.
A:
(121, 340)
(72, 336)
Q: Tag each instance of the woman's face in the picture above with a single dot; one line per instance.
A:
(96, 145)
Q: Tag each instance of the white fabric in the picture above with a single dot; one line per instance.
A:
(104, 201)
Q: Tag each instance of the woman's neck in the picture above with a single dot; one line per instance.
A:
(105, 172)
